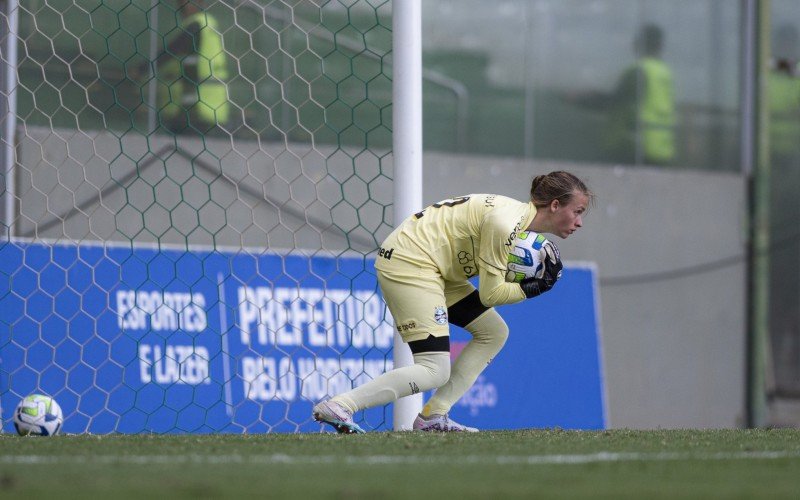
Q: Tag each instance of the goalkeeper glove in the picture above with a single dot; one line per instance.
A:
(533, 287)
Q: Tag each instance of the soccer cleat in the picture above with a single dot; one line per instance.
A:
(440, 423)
(335, 415)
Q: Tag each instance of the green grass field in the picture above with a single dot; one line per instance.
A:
(531, 463)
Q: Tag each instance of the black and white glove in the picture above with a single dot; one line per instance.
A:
(533, 287)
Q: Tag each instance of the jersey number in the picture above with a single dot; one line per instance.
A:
(450, 202)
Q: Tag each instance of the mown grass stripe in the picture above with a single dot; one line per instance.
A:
(278, 458)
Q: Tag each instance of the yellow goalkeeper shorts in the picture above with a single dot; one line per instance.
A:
(418, 297)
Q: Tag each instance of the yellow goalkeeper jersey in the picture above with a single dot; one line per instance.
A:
(464, 237)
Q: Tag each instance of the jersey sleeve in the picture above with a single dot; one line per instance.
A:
(492, 285)
(495, 234)
(494, 291)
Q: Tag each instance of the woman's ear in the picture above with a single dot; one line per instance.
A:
(555, 205)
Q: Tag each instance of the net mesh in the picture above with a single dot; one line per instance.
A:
(192, 194)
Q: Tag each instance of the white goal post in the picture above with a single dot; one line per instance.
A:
(407, 146)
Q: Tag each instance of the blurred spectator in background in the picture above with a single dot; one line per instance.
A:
(784, 94)
(783, 91)
(641, 108)
(191, 73)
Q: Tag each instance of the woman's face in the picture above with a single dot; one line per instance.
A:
(567, 218)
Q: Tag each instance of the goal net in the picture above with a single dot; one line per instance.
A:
(192, 194)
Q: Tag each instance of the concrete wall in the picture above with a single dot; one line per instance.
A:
(179, 191)
(673, 345)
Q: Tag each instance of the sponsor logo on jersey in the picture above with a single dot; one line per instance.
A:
(440, 315)
(467, 263)
(517, 229)
(407, 326)
(385, 253)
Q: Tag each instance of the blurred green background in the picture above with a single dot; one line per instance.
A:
(495, 79)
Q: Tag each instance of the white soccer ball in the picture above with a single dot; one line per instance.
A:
(38, 415)
(525, 260)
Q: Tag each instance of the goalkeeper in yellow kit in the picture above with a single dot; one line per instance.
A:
(423, 269)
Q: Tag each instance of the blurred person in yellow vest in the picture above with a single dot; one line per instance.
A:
(641, 108)
(651, 80)
(192, 73)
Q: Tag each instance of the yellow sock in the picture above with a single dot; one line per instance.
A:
(489, 334)
(429, 371)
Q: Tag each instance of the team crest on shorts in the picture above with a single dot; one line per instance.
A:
(440, 315)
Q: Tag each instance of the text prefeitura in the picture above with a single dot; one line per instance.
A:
(313, 317)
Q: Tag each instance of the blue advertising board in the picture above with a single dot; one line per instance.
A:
(162, 340)
(549, 373)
